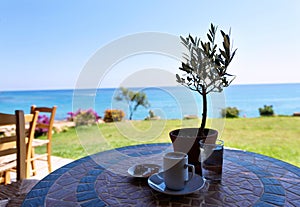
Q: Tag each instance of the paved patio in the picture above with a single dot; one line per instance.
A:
(42, 167)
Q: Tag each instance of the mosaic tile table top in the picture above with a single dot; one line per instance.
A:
(249, 179)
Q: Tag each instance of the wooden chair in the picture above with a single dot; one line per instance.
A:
(13, 147)
(31, 121)
(38, 142)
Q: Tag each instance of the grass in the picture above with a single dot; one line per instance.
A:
(276, 137)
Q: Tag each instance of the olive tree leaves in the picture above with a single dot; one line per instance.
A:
(205, 66)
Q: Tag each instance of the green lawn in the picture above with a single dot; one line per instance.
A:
(278, 137)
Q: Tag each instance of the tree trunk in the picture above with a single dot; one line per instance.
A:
(204, 112)
(130, 112)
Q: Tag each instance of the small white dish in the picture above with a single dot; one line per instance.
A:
(144, 170)
(156, 182)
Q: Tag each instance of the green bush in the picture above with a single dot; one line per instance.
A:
(152, 116)
(266, 111)
(230, 112)
(112, 115)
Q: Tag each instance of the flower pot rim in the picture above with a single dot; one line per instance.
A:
(193, 128)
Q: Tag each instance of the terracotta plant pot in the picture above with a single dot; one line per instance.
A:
(187, 140)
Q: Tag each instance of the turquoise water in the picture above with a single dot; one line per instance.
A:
(285, 98)
(167, 102)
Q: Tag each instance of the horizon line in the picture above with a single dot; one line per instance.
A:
(110, 87)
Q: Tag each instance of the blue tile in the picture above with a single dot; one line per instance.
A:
(274, 189)
(273, 199)
(34, 202)
(270, 181)
(84, 196)
(254, 168)
(262, 204)
(85, 187)
(145, 153)
(95, 172)
(134, 154)
(37, 193)
(88, 179)
(261, 173)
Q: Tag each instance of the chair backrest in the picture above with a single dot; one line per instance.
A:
(46, 125)
(19, 148)
(31, 120)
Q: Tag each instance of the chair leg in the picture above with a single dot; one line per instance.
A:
(33, 167)
(49, 158)
(28, 169)
(7, 177)
(28, 163)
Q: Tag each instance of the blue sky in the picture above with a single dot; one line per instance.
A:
(46, 44)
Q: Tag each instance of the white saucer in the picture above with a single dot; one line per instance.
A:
(144, 170)
(156, 182)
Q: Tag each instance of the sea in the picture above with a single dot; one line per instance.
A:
(174, 102)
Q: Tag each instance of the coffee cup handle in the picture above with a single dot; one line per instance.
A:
(193, 171)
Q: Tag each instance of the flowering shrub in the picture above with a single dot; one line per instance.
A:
(83, 117)
(112, 115)
(42, 119)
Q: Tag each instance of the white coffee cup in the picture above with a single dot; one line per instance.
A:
(175, 165)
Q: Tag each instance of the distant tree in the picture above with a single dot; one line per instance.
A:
(134, 99)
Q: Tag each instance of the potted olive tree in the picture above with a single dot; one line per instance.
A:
(204, 71)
